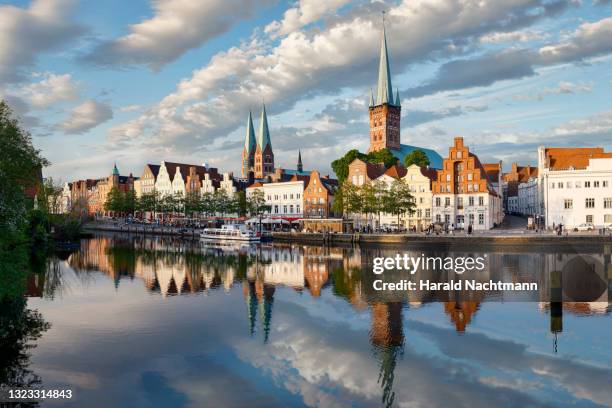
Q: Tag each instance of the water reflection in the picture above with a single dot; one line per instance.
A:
(284, 344)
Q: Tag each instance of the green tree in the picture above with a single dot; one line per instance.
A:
(114, 201)
(383, 156)
(208, 205)
(222, 202)
(257, 205)
(241, 202)
(398, 200)
(341, 165)
(192, 203)
(20, 169)
(128, 202)
(417, 157)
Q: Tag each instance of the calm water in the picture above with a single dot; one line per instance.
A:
(150, 322)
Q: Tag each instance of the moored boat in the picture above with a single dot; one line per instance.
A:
(230, 232)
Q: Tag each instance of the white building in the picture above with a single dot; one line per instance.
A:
(575, 186)
(528, 197)
(285, 198)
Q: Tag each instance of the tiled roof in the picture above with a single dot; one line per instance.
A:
(492, 170)
(563, 158)
(430, 173)
(396, 171)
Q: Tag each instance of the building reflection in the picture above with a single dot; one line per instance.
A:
(171, 267)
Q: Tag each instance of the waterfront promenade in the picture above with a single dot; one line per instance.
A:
(495, 236)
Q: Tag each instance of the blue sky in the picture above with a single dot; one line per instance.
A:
(141, 81)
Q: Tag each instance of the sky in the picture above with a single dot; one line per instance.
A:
(143, 81)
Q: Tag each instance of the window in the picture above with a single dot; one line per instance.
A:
(607, 218)
(297, 208)
(604, 183)
(552, 185)
(475, 187)
(448, 177)
(471, 219)
(438, 201)
(481, 219)
(469, 176)
(284, 209)
(568, 204)
(459, 202)
(276, 209)
(608, 202)
(559, 185)
(587, 184)
(578, 184)
(596, 183)
(481, 200)
(589, 218)
(427, 213)
(568, 184)
(447, 201)
(589, 203)
(446, 218)
(291, 209)
(459, 154)
(419, 213)
(471, 201)
(438, 218)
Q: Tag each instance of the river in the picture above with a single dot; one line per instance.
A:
(160, 322)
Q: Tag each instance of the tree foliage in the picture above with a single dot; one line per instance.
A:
(417, 157)
(341, 165)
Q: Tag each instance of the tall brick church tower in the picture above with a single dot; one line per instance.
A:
(385, 111)
(264, 157)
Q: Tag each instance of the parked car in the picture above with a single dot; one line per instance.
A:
(608, 226)
(585, 226)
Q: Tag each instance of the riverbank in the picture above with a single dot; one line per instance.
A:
(458, 239)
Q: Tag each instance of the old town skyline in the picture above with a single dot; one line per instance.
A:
(106, 96)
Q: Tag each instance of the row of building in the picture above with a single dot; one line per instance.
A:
(569, 186)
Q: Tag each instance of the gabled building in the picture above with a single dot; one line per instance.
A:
(175, 178)
(510, 185)
(463, 193)
(319, 195)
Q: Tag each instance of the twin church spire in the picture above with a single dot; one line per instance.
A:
(257, 155)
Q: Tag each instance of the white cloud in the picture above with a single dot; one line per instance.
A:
(51, 89)
(564, 87)
(215, 99)
(589, 40)
(596, 125)
(86, 116)
(24, 33)
(514, 36)
(306, 12)
(176, 27)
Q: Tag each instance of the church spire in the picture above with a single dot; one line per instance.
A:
(371, 98)
(249, 140)
(300, 168)
(385, 88)
(397, 98)
(263, 138)
(115, 170)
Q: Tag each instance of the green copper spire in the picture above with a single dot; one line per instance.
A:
(397, 98)
(115, 170)
(249, 140)
(263, 138)
(371, 98)
(385, 89)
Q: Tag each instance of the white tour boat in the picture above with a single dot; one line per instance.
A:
(230, 232)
